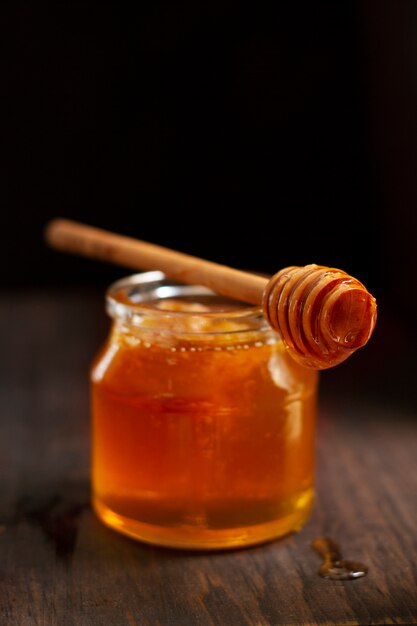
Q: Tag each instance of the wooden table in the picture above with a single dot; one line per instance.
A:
(60, 565)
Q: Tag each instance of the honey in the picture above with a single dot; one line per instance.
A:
(334, 567)
(203, 426)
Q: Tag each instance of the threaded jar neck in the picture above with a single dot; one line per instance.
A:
(149, 300)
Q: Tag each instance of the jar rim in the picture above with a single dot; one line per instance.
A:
(144, 289)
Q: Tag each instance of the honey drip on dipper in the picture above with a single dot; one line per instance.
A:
(322, 314)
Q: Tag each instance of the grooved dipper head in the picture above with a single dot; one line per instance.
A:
(322, 313)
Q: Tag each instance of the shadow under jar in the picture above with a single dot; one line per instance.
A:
(203, 426)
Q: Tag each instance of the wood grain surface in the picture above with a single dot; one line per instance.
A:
(60, 566)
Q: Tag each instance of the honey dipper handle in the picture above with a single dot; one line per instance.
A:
(71, 236)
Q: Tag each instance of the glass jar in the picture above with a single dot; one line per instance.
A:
(203, 426)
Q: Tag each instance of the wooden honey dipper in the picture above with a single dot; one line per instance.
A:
(322, 314)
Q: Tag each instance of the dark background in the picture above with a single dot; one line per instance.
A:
(257, 135)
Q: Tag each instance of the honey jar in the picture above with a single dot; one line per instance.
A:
(203, 426)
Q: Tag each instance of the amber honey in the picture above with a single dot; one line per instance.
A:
(203, 426)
